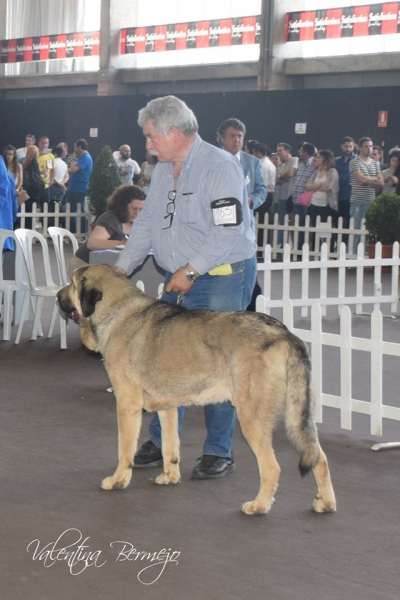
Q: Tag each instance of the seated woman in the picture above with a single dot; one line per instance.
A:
(113, 227)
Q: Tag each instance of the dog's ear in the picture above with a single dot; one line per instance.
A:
(88, 298)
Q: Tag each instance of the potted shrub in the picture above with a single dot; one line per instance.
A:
(103, 181)
(382, 221)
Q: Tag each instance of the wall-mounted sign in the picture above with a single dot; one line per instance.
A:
(382, 118)
(50, 47)
(185, 36)
(355, 21)
(300, 128)
(94, 132)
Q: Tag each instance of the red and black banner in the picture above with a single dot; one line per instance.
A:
(50, 47)
(185, 36)
(357, 21)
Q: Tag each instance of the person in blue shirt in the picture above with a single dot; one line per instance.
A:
(342, 166)
(230, 135)
(79, 175)
(8, 202)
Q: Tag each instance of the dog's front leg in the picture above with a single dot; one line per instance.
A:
(87, 336)
(129, 415)
(170, 447)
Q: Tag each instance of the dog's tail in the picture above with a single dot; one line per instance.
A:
(299, 417)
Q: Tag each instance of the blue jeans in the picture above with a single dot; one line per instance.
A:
(283, 206)
(223, 293)
(357, 211)
(299, 209)
(75, 198)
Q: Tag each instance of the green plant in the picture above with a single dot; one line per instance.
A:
(103, 181)
(382, 219)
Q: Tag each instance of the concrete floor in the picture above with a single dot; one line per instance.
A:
(59, 439)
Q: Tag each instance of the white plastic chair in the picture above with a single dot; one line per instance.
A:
(58, 234)
(38, 293)
(8, 287)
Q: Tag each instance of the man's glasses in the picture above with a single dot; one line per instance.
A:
(170, 208)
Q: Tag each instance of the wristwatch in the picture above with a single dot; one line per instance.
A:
(190, 275)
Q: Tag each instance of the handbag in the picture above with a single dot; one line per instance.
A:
(22, 196)
(305, 198)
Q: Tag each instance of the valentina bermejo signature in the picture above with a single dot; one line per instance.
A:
(73, 549)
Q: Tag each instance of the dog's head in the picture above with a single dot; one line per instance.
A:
(86, 289)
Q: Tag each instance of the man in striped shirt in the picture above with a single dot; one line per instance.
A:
(197, 220)
(301, 177)
(366, 180)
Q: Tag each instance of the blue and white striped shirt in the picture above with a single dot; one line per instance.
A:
(207, 174)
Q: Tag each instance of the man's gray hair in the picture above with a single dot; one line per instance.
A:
(169, 112)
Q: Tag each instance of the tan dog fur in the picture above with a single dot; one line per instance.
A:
(160, 356)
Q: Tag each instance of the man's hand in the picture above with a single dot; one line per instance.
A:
(119, 270)
(179, 283)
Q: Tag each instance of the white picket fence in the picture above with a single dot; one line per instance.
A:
(332, 275)
(61, 217)
(324, 232)
(377, 348)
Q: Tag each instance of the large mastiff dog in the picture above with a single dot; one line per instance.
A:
(160, 356)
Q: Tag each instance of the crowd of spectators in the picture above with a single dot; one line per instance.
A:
(307, 182)
(316, 183)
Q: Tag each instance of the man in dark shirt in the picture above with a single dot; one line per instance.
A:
(342, 165)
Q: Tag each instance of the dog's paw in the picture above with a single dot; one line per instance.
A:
(167, 478)
(257, 508)
(322, 506)
(114, 483)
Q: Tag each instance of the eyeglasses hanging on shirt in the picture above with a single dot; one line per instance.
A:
(170, 208)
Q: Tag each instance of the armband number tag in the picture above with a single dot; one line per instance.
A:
(227, 212)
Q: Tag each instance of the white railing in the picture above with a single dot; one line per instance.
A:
(340, 288)
(61, 217)
(375, 346)
(323, 232)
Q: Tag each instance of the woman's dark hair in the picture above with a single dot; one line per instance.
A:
(14, 160)
(396, 154)
(121, 197)
(328, 160)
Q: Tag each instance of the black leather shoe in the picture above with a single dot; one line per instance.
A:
(212, 467)
(148, 455)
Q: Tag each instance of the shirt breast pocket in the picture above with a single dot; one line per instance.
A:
(188, 209)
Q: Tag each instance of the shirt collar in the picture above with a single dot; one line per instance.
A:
(192, 151)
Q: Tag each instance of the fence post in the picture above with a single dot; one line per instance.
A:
(376, 372)
(341, 275)
(286, 272)
(287, 314)
(345, 368)
(316, 358)
(323, 274)
(378, 274)
(267, 276)
(360, 276)
(305, 277)
(261, 305)
(395, 278)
